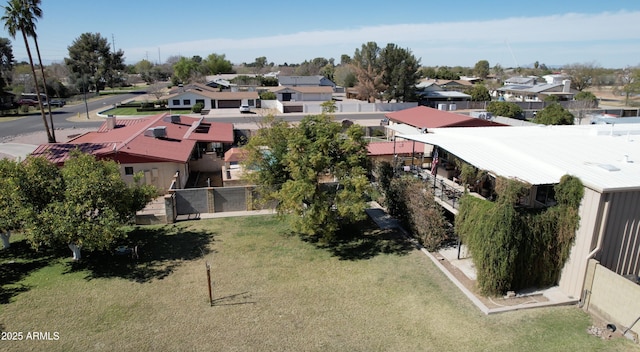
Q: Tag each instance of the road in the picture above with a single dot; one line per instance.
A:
(33, 122)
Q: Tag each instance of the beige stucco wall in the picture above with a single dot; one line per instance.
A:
(157, 174)
(612, 297)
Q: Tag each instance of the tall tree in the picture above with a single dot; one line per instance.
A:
(18, 17)
(481, 69)
(366, 62)
(216, 63)
(6, 63)
(185, 70)
(91, 59)
(315, 171)
(582, 76)
(400, 73)
(33, 7)
(89, 210)
(628, 82)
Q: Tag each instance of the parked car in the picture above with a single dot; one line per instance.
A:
(56, 102)
(245, 108)
(29, 102)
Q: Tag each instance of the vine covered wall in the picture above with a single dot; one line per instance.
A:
(515, 247)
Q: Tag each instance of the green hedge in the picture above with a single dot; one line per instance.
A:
(514, 248)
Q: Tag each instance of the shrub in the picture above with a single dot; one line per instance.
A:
(268, 95)
(503, 108)
(197, 108)
(554, 114)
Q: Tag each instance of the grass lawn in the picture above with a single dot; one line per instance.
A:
(272, 292)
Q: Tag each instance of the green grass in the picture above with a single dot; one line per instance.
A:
(273, 291)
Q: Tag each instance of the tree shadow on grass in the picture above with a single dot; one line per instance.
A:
(365, 240)
(18, 262)
(160, 252)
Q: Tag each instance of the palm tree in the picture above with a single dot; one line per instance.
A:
(33, 6)
(18, 17)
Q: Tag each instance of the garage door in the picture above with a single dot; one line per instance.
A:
(229, 104)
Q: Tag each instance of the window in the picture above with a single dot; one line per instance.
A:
(201, 101)
(128, 170)
(176, 101)
(186, 102)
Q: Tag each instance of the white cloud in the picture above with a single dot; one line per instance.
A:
(425, 39)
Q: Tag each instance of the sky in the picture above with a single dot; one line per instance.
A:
(439, 33)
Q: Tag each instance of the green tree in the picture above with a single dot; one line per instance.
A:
(503, 108)
(10, 200)
(143, 68)
(554, 114)
(314, 171)
(19, 16)
(93, 63)
(90, 209)
(481, 69)
(185, 69)
(345, 76)
(215, 64)
(6, 63)
(368, 69)
(479, 92)
(260, 63)
(400, 73)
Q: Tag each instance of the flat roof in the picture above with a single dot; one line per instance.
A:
(604, 157)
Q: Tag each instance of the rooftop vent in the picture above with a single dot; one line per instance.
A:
(175, 118)
(156, 132)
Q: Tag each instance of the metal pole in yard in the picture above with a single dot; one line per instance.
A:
(209, 284)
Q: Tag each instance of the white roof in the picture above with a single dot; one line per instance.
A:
(604, 157)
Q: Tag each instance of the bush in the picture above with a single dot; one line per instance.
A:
(268, 95)
(554, 114)
(506, 109)
(197, 108)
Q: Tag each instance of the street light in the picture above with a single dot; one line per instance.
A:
(84, 88)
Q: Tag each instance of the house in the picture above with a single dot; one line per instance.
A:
(457, 85)
(604, 263)
(304, 93)
(521, 81)
(305, 81)
(211, 98)
(537, 92)
(167, 149)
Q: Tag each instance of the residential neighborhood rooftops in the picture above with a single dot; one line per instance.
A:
(604, 157)
(155, 138)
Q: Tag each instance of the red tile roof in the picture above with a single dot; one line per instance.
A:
(387, 148)
(133, 140)
(425, 117)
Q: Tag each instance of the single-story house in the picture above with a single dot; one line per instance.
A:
(166, 148)
(457, 85)
(305, 81)
(211, 98)
(307, 93)
(606, 158)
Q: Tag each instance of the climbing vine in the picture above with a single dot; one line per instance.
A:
(514, 247)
